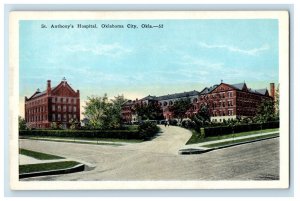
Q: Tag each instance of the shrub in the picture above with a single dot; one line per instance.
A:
(147, 130)
(223, 130)
(173, 122)
(188, 124)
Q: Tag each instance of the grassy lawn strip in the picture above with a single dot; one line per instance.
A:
(85, 138)
(46, 166)
(38, 155)
(197, 138)
(239, 141)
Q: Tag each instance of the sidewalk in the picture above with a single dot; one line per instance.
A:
(200, 146)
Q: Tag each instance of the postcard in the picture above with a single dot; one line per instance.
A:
(149, 100)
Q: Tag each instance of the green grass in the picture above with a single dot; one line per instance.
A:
(197, 138)
(94, 141)
(46, 166)
(220, 144)
(38, 155)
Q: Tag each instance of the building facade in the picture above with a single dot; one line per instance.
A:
(58, 104)
(224, 102)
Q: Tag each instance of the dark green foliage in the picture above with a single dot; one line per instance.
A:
(150, 111)
(141, 132)
(38, 155)
(180, 108)
(148, 130)
(173, 122)
(188, 124)
(223, 130)
(265, 112)
(22, 123)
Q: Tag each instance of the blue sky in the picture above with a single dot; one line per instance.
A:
(184, 55)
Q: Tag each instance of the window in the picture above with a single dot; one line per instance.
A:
(74, 116)
(64, 108)
(59, 117)
(70, 117)
(53, 107)
(53, 117)
(59, 108)
(74, 100)
(65, 117)
(53, 100)
(64, 100)
(70, 108)
(74, 109)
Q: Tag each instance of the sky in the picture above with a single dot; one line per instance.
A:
(184, 55)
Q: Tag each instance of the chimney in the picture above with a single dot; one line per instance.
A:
(48, 86)
(272, 90)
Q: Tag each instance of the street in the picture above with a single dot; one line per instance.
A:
(159, 160)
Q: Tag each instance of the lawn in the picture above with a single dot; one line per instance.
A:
(220, 144)
(38, 155)
(46, 166)
(197, 138)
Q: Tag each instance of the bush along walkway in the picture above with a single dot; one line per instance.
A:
(219, 144)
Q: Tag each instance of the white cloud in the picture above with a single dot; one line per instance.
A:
(110, 50)
(251, 52)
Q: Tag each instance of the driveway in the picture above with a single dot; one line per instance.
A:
(159, 160)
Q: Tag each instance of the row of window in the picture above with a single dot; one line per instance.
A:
(222, 113)
(37, 102)
(37, 118)
(63, 100)
(64, 117)
(54, 100)
(63, 108)
(37, 110)
(218, 95)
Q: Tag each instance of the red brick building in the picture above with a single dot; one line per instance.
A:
(227, 101)
(224, 101)
(57, 104)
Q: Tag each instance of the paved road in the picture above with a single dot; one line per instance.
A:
(158, 160)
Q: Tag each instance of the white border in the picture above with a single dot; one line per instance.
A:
(282, 16)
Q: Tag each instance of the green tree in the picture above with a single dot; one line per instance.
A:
(202, 117)
(265, 112)
(180, 107)
(150, 111)
(102, 113)
(73, 124)
(96, 110)
(22, 123)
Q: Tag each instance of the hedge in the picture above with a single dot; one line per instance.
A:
(119, 134)
(223, 130)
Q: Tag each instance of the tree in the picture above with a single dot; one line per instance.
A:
(96, 110)
(102, 113)
(22, 123)
(265, 112)
(180, 107)
(202, 117)
(150, 111)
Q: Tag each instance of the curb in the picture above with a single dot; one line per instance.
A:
(190, 151)
(77, 168)
(240, 143)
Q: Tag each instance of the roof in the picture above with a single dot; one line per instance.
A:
(38, 94)
(238, 86)
(179, 95)
(207, 90)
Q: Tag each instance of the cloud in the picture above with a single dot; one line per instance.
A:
(110, 50)
(251, 52)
